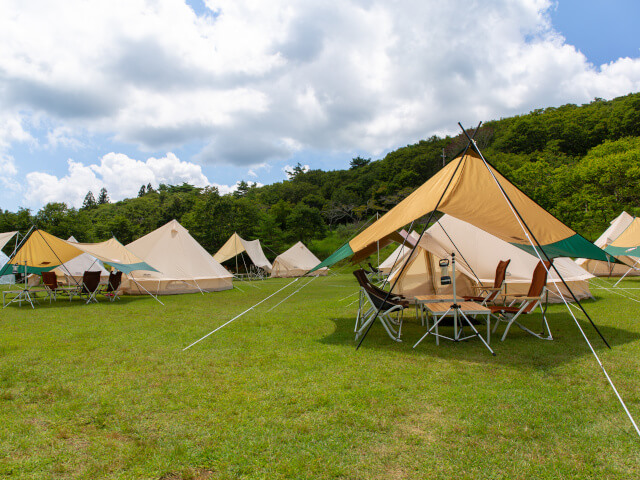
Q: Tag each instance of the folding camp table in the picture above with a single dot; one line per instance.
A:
(421, 300)
(440, 310)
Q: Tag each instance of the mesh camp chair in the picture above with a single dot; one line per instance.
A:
(490, 294)
(363, 279)
(112, 291)
(528, 303)
(90, 285)
(375, 298)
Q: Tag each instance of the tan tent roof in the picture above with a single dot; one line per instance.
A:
(295, 262)
(600, 268)
(182, 264)
(5, 238)
(237, 245)
(115, 254)
(80, 264)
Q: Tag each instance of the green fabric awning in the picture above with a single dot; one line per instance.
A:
(340, 254)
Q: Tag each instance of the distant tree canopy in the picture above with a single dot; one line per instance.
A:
(582, 163)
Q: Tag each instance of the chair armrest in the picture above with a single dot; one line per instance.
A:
(528, 299)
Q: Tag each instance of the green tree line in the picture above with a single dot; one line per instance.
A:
(582, 163)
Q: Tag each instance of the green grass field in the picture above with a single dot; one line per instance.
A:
(105, 391)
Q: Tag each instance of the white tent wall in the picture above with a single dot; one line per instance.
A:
(604, 269)
(183, 265)
(295, 262)
(6, 279)
(422, 274)
(398, 256)
(482, 251)
(71, 273)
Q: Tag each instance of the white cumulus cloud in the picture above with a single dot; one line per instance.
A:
(259, 81)
(121, 175)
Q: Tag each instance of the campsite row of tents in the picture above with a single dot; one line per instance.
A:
(166, 261)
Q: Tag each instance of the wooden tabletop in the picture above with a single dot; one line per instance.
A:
(465, 307)
(433, 298)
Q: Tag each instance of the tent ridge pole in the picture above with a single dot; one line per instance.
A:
(418, 241)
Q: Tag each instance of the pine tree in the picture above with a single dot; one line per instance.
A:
(150, 188)
(103, 197)
(89, 200)
(142, 191)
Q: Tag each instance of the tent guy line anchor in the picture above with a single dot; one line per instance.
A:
(241, 314)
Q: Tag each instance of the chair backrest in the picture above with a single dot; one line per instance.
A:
(90, 281)
(50, 280)
(501, 273)
(538, 282)
(377, 295)
(115, 278)
(373, 269)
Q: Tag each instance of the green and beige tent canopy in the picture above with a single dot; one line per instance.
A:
(42, 252)
(601, 269)
(466, 189)
(627, 244)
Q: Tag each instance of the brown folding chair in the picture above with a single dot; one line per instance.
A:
(113, 286)
(490, 294)
(53, 288)
(528, 304)
(90, 285)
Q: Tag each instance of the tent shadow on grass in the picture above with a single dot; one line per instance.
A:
(519, 348)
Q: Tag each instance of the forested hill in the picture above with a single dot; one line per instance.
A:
(582, 163)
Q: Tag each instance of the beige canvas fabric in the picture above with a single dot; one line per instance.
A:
(422, 274)
(473, 196)
(482, 252)
(295, 262)
(604, 269)
(110, 252)
(237, 245)
(5, 238)
(398, 256)
(71, 272)
(183, 265)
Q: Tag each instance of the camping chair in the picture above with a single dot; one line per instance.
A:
(112, 291)
(90, 285)
(528, 304)
(363, 279)
(489, 294)
(50, 282)
(375, 297)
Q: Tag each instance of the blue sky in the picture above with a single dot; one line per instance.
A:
(119, 95)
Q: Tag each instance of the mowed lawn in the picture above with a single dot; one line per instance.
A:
(105, 391)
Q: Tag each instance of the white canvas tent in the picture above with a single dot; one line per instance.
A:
(398, 256)
(604, 269)
(76, 267)
(5, 279)
(182, 265)
(295, 262)
(236, 245)
(477, 254)
(5, 238)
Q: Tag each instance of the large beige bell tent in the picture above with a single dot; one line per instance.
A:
(182, 264)
(610, 235)
(480, 252)
(236, 245)
(295, 262)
